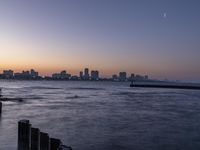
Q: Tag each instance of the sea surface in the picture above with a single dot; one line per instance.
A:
(103, 115)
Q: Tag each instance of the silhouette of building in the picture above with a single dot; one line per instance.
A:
(62, 75)
(8, 74)
(132, 77)
(56, 76)
(94, 75)
(81, 75)
(17, 75)
(23, 75)
(74, 78)
(146, 77)
(139, 77)
(86, 74)
(122, 76)
(114, 77)
(34, 74)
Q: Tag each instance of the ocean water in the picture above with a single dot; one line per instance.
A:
(103, 115)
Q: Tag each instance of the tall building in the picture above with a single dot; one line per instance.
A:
(94, 75)
(18, 75)
(56, 76)
(34, 74)
(122, 76)
(62, 75)
(132, 77)
(86, 74)
(81, 75)
(23, 75)
(146, 77)
(8, 74)
(26, 74)
(114, 77)
(139, 77)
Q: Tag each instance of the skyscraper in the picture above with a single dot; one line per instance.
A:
(8, 74)
(122, 76)
(94, 75)
(81, 75)
(86, 74)
(34, 74)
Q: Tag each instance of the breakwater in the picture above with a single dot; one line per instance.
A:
(189, 87)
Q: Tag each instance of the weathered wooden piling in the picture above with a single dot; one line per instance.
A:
(24, 135)
(44, 141)
(55, 144)
(0, 107)
(35, 139)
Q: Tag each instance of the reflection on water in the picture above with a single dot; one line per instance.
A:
(103, 115)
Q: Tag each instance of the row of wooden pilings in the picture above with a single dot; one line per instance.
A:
(0, 103)
(32, 139)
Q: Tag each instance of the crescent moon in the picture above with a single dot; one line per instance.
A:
(165, 15)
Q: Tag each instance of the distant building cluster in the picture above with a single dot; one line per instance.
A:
(94, 75)
(123, 77)
(9, 74)
(84, 75)
(62, 75)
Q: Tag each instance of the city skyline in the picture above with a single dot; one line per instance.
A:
(85, 74)
(156, 37)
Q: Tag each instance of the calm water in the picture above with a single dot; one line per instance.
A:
(103, 115)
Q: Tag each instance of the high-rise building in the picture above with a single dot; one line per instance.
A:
(146, 77)
(62, 75)
(34, 74)
(86, 74)
(94, 75)
(114, 77)
(23, 75)
(81, 75)
(56, 76)
(8, 74)
(122, 76)
(132, 77)
(26, 74)
(139, 77)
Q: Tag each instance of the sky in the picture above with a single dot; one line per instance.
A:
(160, 38)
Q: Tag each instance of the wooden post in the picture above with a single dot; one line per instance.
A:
(55, 144)
(0, 107)
(24, 135)
(35, 139)
(44, 141)
(0, 93)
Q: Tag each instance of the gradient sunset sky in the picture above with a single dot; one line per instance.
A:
(156, 37)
